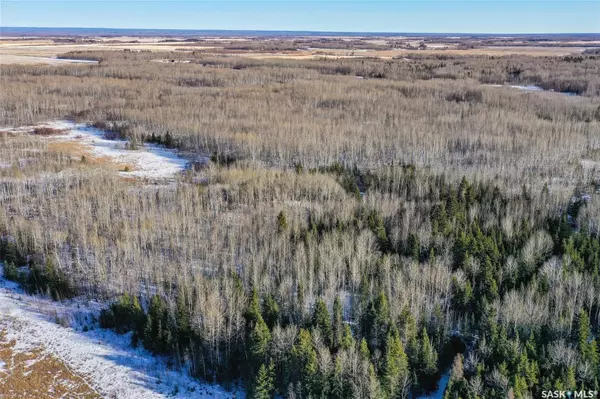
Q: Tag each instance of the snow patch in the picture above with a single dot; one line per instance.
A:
(150, 161)
(439, 392)
(533, 88)
(112, 366)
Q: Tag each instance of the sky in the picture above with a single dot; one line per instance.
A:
(445, 16)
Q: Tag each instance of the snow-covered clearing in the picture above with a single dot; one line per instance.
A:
(149, 161)
(105, 359)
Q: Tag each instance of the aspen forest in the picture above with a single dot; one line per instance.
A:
(345, 227)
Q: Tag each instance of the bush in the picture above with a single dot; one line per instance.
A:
(49, 280)
(11, 272)
(470, 96)
(124, 315)
(47, 131)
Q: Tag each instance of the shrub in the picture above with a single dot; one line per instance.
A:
(49, 280)
(11, 272)
(47, 131)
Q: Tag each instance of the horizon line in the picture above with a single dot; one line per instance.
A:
(276, 31)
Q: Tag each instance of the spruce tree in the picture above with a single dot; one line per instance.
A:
(395, 363)
(271, 311)
(258, 341)
(322, 320)
(253, 311)
(337, 380)
(365, 354)
(347, 342)
(337, 324)
(304, 361)
(583, 332)
(183, 320)
(427, 361)
(413, 247)
(264, 382)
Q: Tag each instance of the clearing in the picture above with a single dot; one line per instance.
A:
(149, 161)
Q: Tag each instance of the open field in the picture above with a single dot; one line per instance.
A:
(45, 50)
(304, 216)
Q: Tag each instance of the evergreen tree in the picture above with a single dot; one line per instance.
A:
(375, 321)
(271, 311)
(258, 341)
(428, 355)
(183, 320)
(365, 354)
(169, 142)
(569, 380)
(427, 363)
(304, 361)
(395, 363)
(253, 311)
(322, 320)
(347, 342)
(375, 221)
(583, 332)
(337, 324)
(413, 247)
(409, 335)
(138, 318)
(264, 383)
(337, 381)
(11, 272)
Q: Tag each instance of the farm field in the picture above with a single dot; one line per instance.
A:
(15, 50)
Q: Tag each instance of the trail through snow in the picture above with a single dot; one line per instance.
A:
(104, 358)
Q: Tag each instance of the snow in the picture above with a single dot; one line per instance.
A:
(112, 366)
(150, 161)
(439, 393)
(532, 88)
(527, 87)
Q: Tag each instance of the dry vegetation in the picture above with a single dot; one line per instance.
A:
(324, 185)
(35, 374)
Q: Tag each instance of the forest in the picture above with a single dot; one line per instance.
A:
(357, 228)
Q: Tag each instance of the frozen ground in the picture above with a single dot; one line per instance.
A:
(149, 161)
(104, 358)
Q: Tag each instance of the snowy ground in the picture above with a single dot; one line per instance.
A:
(6, 59)
(150, 161)
(439, 393)
(533, 88)
(106, 359)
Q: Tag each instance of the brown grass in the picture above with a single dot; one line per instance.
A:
(41, 51)
(79, 150)
(37, 375)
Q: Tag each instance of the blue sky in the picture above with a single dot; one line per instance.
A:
(446, 16)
